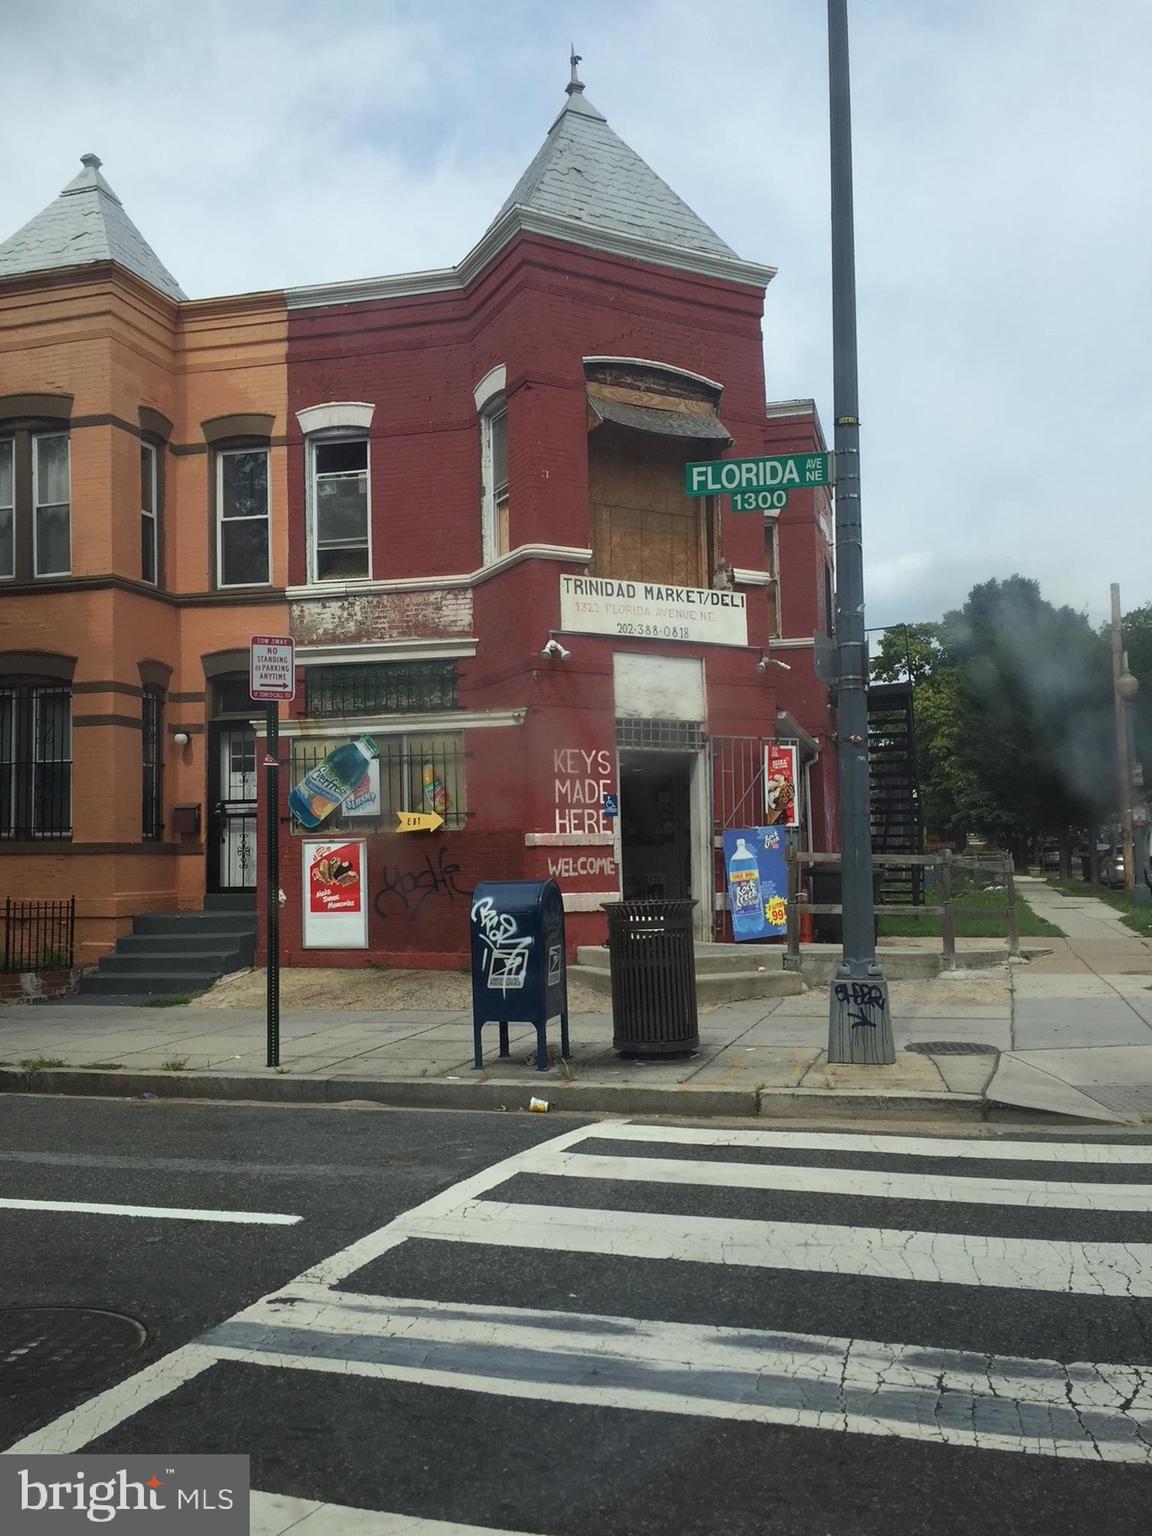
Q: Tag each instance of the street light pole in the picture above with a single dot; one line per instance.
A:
(1123, 687)
(859, 1021)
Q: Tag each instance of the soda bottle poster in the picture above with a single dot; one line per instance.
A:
(781, 802)
(757, 877)
(334, 877)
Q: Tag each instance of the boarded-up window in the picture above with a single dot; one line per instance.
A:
(644, 528)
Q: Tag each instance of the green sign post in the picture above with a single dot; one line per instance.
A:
(757, 484)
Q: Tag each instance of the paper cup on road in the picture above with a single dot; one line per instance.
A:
(539, 1106)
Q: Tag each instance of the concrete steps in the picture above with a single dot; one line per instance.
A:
(169, 954)
(725, 973)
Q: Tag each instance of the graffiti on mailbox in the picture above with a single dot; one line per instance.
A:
(507, 950)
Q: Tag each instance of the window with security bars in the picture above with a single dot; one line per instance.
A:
(35, 761)
(417, 773)
(381, 688)
(152, 764)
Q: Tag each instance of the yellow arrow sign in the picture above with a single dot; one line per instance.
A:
(418, 821)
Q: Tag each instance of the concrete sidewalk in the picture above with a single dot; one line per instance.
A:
(1068, 1033)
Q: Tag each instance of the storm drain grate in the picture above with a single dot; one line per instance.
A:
(41, 1346)
(952, 1048)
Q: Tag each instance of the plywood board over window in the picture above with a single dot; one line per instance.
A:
(644, 528)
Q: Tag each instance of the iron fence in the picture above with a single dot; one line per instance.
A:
(38, 935)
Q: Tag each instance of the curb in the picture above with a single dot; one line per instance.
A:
(513, 1094)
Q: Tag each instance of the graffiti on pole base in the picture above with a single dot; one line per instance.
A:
(860, 998)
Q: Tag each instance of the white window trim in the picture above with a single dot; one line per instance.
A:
(336, 416)
(494, 382)
(37, 439)
(320, 440)
(11, 508)
(154, 579)
(233, 586)
(496, 405)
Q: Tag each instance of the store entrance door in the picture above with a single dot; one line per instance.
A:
(656, 825)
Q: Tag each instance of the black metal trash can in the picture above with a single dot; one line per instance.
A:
(652, 949)
(828, 927)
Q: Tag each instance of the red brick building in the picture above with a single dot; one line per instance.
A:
(495, 570)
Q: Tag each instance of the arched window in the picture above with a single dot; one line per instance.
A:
(492, 405)
(339, 490)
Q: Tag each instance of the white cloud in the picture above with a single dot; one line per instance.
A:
(1002, 216)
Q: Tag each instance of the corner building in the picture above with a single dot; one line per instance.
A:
(463, 493)
(496, 572)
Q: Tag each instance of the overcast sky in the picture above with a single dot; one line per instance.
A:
(1003, 210)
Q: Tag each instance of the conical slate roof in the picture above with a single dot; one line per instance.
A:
(86, 223)
(586, 172)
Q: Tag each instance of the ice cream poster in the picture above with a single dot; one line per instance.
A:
(335, 911)
(757, 875)
(781, 802)
(334, 883)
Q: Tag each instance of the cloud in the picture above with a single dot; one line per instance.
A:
(1002, 219)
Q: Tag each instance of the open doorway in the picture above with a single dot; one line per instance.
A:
(656, 825)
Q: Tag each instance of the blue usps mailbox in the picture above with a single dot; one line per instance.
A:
(518, 969)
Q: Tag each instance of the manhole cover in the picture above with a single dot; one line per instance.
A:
(40, 1346)
(952, 1048)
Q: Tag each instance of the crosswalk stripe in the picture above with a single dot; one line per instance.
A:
(1033, 1406)
(152, 1212)
(275, 1514)
(795, 1179)
(1088, 1269)
(989, 1150)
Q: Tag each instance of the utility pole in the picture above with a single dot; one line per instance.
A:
(859, 1020)
(1124, 686)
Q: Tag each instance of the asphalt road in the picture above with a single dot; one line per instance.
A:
(546, 1326)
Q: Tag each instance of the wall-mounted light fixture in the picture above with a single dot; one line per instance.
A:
(767, 661)
(554, 648)
(181, 738)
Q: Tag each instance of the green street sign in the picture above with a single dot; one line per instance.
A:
(782, 471)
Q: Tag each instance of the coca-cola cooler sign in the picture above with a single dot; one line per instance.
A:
(335, 906)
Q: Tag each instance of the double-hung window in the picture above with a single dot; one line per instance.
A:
(341, 537)
(7, 508)
(242, 552)
(51, 509)
(149, 514)
(494, 426)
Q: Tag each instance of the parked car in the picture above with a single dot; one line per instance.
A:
(1110, 862)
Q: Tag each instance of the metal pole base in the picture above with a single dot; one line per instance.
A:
(859, 1020)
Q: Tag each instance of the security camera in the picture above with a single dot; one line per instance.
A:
(554, 648)
(770, 661)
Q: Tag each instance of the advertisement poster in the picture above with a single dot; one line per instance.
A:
(781, 801)
(364, 799)
(757, 875)
(335, 910)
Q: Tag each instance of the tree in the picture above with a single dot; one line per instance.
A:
(1013, 714)
(1137, 630)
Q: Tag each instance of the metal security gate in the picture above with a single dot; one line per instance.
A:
(233, 830)
(737, 801)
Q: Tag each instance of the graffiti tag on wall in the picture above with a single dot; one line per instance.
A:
(411, 888)
(861, 997)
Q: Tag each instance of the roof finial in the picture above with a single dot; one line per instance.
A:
(93, 162)
(575, 85)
